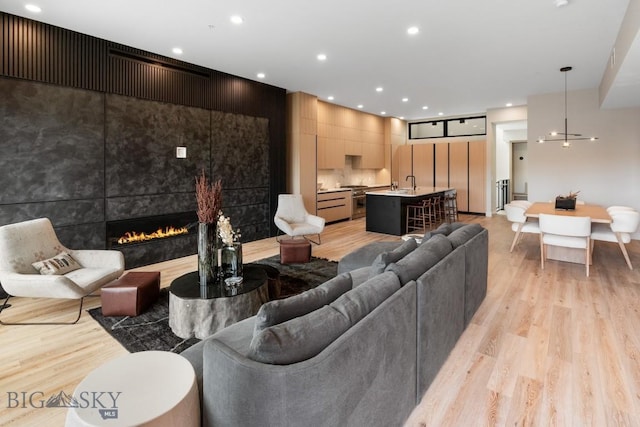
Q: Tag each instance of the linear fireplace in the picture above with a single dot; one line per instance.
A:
(152, 239)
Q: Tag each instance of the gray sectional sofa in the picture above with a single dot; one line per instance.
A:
(360, 349)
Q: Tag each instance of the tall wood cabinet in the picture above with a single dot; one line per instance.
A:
(423, 161)
(459, 165)
(302, 128)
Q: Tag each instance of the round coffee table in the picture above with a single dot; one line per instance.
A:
(147, 388)
(200, 312)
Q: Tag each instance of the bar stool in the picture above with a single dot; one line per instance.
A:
(416, 219)
(451, 206)
(437, 205)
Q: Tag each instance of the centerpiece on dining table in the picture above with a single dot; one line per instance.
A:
(567, 202)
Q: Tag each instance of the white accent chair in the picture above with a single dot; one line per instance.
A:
(293, 219)
(520, 223)
(625, 222)
(24, 243)
(565, 231)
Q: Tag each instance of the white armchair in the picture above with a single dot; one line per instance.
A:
(293, 219)
(520, 223)
(565, 231)
(24, 243)
(625, 222)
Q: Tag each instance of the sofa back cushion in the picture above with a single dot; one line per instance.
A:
(362, 300)
(461, 235)
(420, 260)
(303, 337)
(279, 311)
(385, 258)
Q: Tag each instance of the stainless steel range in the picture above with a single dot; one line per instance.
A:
(358, 200)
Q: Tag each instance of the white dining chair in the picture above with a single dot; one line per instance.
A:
(624, 223)
(565, 231)
(520, 223)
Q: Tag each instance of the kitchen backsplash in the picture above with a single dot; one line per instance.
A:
(330, 178)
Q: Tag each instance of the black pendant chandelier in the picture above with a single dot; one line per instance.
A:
(565, 136)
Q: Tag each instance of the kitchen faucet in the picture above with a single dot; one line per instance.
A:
(413, 180)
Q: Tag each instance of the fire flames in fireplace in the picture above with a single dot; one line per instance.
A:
(133, 236)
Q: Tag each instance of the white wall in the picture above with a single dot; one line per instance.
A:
(606, 172)
(495, 117)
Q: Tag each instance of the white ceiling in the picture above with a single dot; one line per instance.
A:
(470, 55)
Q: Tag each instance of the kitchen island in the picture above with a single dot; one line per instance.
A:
(387, 209)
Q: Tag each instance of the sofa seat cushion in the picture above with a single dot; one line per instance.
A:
(279, 311)
(420, 260)
(461, 235)
(364, 256)
(306, 336)
(385, 258)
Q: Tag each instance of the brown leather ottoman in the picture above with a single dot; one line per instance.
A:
(131, 294)
(294, 251)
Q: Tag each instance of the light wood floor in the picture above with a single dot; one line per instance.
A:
(548, 347)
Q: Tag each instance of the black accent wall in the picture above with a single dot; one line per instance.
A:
(89, 130)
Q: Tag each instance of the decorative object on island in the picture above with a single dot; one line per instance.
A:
(567, 202)
(565, 136)
(230, 251)
(209, 198)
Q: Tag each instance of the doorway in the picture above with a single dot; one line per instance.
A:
(519, 161)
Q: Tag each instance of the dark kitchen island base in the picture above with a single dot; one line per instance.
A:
(387, 211)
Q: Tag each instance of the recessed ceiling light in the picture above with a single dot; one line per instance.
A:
(237, 19)
(322, 57)
(401, 117)
(561, 3)
(33, 8)
(261, 75)
(360, 106)
(441, 113)
(425, 107)
(509, 104)
(413, 30)
(383, 112)
(379, 89)
(177, 51)
(405, 99)
(330, 97)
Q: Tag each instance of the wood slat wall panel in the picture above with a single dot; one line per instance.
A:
(40, 52)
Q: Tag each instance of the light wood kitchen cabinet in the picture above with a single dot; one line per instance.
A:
(330, 153)
(343, 131)
(442, 164)
(301, 146)
(459, 173)
(334, 205)
(477, 176)
(423, 164)
(404, 167)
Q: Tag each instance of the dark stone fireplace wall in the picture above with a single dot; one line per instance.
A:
(89, 130)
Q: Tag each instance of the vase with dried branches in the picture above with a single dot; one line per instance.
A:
(209, 198)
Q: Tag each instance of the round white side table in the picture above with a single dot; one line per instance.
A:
(149, 388)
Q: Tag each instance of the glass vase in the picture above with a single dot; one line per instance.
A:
(207, 253)
(231, 260)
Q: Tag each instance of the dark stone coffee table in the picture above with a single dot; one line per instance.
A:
(200, 312)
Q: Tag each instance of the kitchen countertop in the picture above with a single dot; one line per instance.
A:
(334, 190)
(405, 192)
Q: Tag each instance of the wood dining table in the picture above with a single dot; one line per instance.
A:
(597, 213)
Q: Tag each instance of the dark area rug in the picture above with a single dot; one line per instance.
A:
(151, 331)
